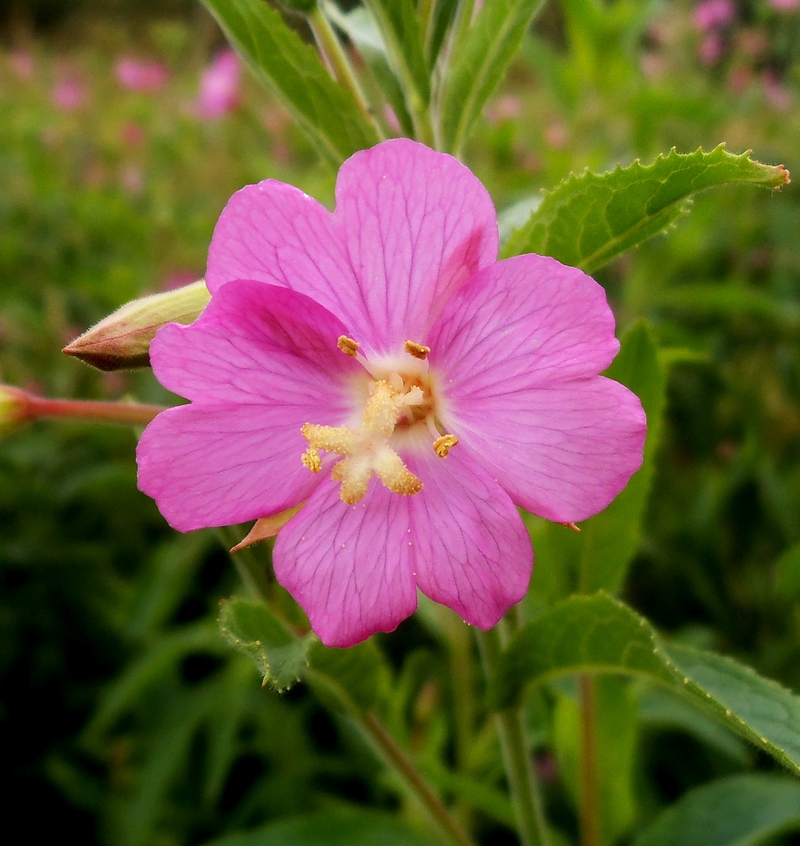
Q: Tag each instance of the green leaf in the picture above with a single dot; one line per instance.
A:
(326, 829)
(478, 62)
(588, 219)
(598, 634)
(610, 539)
(399, 26)
(742, 810)
(787, 575)
(252, 628)
(360, 673)
(291, 69)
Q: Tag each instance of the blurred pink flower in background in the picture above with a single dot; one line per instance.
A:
(69, 93)
(784, 5)
(144, 75)
(21, 64)
(132, 134)
(219, 86)
(505, 108)
(711, 49)
(713, 14)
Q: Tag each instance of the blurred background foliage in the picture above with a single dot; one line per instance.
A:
(124, 717)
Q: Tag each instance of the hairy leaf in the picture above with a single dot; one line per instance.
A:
(589, 219)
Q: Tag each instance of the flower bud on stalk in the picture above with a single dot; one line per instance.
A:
(122, 340)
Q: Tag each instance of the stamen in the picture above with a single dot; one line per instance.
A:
(443, 445)
(419, 351)
(348, 346)
(311, 460)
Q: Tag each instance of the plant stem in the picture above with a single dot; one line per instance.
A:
(589, 801)
(100, 412)
(339, 65)
(401, 763)
(522, 781)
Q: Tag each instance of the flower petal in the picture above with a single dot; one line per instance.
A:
(516, 352)
(263, 345)
(521, 323)
(272, 232)
(471, 549)
(349, 566)
(418, 224)
(219, 465)
(562, 451)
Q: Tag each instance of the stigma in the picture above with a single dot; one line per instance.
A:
(399, 397)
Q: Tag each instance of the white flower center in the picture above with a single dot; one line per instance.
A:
(399, 398)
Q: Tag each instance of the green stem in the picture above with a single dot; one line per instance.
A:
(589, 801)
(338, 62)
(522, 781)
(400, 762)
(97, 412)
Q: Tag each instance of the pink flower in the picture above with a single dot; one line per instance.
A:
(68, 94)
(713, 14)
(378, 364)
(784, 5)
(140, 75)
(219, 87)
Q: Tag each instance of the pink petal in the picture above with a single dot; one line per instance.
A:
(349, 566)
(520, 323)
(258, 363)
(471, 549)
(273, 232)
(258, 344)
(215, 466)
(516, 351)
(562, 451)
(418, 224)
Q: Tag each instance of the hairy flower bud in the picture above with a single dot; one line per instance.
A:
(122, 340)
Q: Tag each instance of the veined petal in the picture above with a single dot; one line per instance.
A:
(263, 345)
(471, 549)
(219, 465)
(349, 566)
(563, 450)
(417, 224)
(273, 232)
(519, 324)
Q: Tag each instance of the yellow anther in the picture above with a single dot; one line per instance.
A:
(347, 345)
(311, 460)
(417, 350)
(443, 445)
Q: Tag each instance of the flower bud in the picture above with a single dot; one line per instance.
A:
(14, 409)
(122, 340)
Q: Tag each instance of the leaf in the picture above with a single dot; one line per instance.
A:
(610, 539)
(399, 26)
(291, 69)
(252, 628)
(589, 219)
(741, 810)
(478, 62)
(359, 672)
(598, 634)
(326, 829)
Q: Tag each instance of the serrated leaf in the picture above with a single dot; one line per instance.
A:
(742, 810)
(598, 634)
(610, 538)
(292, 70)
(477, 65)
(253, 629)
(326, 829)
(589, 219)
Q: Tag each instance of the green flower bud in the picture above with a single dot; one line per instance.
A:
(14, 409)
(122, 340)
